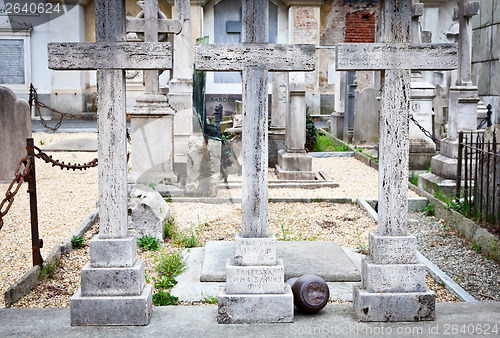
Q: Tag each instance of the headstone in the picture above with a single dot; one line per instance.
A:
(180, 92)
(148, 212)
(294, 163)
(15, 128)
(393, 283)
(113, 290)
(247, 298)
(462, 109)
(440, 105)
(152, 117)
(350, 103)
(367, 117)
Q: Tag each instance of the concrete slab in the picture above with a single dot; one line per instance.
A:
(76, 144)
(465, 319)
(325, 259)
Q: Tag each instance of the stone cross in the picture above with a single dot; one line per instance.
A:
(417, 10)
(383, 297)
(113, 252)
(254, 57)
(463, 12)
(150, 28)
(250, 300)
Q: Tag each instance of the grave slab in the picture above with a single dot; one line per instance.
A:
(325, 259)
(77, 144)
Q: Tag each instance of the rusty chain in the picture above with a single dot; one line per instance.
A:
(48, 159)
(21, 177)
(33, 101)
(426, 132)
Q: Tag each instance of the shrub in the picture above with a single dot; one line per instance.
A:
(148, 243)
(171, 264)
(163, 298)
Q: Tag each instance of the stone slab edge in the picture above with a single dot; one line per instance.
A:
(29, 280)
(489, 243)
(434, 271)
(357, 155)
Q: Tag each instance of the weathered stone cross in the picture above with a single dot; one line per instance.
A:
(463, 12)
(255, 58)
(115, 295)
(383, 296)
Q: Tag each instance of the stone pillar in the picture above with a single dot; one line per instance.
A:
(180, 93)
(280, 107)
(294, 163)
(337, 119)
(350, 103)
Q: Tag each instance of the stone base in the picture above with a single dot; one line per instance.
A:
(394, 306)
(113, 252)
(256, 308)
(276, 143)
(112, 310)
(433, 183)
(294, 166)
(420, 160)
(112, 281)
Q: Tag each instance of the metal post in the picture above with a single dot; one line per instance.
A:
(459, 166)
(36, 242)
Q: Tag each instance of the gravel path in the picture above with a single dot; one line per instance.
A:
(476, 274)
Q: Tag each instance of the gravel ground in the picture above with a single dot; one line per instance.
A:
(65, 199)
(475, 273)
(345, 223)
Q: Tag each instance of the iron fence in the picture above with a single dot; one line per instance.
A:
(478, 177)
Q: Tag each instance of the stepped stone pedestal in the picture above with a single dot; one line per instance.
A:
(255, 290)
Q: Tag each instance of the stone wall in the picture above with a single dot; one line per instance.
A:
(486, 53)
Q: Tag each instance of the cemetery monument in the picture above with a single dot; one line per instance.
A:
(244, 299)
(393, 280)
(113, 289)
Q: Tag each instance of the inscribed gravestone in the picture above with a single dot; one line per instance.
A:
(399, 297)
(113, 290)
(367, 116)
(15, 128)
(12, 61)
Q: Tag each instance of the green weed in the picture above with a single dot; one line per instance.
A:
(164, 282)
(209, 299)
(169, 228)
(48, 270)
(477, 247)
(148, 243)
(413, 178)
(42, 142)
(188, 241)
(429, 209)
(163, 298)
(458, 278)
(77, 242)
(171, 264)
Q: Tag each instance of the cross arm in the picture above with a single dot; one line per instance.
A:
(381, 56)
(138, 25)
(471, 8)
(272, 57)
(109, 55)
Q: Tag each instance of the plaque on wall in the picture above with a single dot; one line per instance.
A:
(12, 61)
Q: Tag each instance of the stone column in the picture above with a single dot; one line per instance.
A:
(337, 119)
(294, 163)
(181, 86)
(462, 109)
(350, 103)
(280, 107)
